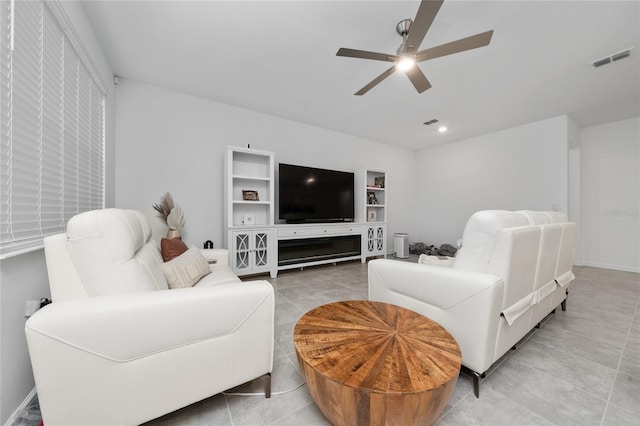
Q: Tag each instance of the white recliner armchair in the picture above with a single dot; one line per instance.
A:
(512, 270)
(117, 347)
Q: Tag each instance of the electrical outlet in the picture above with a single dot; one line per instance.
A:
(31, 307)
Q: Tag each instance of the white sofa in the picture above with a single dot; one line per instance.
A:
(117, 347)
(513, 269)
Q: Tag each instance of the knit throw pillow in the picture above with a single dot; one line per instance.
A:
(186, 269)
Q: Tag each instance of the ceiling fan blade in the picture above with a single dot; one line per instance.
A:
(363, 54)
(418, 79)
(424, 18)
(375, 81)
(468, 43)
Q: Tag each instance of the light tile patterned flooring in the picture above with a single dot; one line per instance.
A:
(582, 367)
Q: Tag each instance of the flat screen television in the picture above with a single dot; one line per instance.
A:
(311, 195)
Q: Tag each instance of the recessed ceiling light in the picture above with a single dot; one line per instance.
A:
(442, 129)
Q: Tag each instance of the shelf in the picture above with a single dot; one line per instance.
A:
(247, 169)
(251, 202)
(244, 177)
(374, 202)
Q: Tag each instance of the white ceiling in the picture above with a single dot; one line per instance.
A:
(278, 57)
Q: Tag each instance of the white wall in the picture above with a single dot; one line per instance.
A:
(524, 167)
(24, 277)
(574, 209)
(171, 142)
(610, 176)
(575, 200)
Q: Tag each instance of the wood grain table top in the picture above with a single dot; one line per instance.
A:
(377, 346)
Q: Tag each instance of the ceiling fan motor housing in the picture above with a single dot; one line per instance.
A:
(403, 27)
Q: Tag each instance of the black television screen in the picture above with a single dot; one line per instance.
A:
(308, 194)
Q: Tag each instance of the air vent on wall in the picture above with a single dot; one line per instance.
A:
(601, 62)
(612, 58)
(621, 55)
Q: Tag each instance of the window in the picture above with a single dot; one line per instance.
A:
(51, 124)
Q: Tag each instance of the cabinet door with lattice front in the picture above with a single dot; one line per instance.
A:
(375, 240)
(241, 252)
(260, 251)
(250, 251)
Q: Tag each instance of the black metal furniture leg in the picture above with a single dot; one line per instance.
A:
(476, 379)
(267, 386)
(563, 304)
(476, 382)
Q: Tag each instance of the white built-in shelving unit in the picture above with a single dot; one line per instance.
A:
(374, 240)
(253, 238)
(250, 170)
(249, 210)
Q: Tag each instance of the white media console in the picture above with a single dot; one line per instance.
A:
(280, 247)
(258, 245)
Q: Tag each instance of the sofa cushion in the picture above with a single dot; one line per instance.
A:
(543, 217)
(535, 217)
(186, 269)
(480, 235)
(172, 248)
(113, 253)
(220, 274)
(436, 260)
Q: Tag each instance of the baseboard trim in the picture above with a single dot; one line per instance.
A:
(21, 407)
(615, 267)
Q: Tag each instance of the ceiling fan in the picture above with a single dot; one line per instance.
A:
(407, 56)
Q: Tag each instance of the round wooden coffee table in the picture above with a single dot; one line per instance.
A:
(375, 363)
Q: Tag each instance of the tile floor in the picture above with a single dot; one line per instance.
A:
(582, 367)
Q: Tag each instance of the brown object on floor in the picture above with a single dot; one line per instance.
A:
(376, 363)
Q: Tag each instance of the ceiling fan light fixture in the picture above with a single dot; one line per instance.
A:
(407, 56)
(405, 63)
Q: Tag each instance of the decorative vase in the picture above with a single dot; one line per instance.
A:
(173, 234)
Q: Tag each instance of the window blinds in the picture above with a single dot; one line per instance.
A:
(52, 128)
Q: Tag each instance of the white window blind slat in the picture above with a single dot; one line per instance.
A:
(70, 131)
(51, 201)
(5, 112)
(84, 132)
(26, 121)
(97, 148)
(51, 127)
